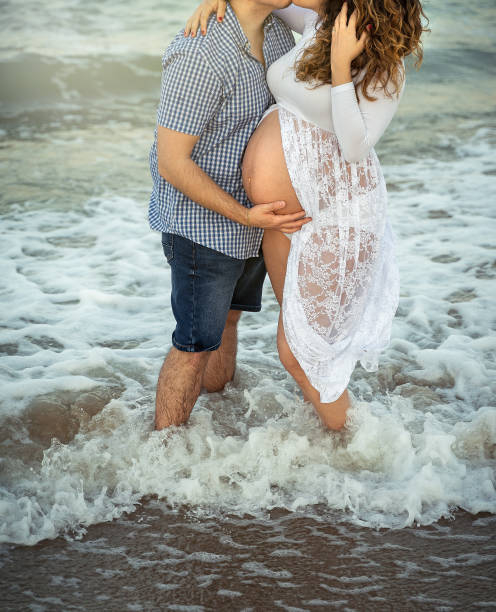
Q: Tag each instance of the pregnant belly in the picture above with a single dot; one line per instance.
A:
(265, 175)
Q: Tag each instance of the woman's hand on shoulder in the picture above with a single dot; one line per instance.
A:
(201, 15)
(345, 46)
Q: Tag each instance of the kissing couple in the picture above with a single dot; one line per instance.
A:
(264, 161)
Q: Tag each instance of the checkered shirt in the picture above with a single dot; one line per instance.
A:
(214, 88)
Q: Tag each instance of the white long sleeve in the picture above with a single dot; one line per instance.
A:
(294, 17)
(359, 125)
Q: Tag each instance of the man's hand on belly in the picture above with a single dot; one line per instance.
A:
(176, 167)
(267, 217)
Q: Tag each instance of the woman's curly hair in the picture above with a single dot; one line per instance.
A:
(396, 31)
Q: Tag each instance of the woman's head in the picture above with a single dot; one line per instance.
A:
(395, 30)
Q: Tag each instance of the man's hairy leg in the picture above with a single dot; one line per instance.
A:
(222, 363)
(179, 385)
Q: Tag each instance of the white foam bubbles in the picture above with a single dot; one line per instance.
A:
(379, 474)
(88, 295)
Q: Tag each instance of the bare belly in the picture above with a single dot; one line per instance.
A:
(265, 175)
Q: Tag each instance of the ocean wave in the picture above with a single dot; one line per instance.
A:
(379, 474)
(87, 330)
(35, 81)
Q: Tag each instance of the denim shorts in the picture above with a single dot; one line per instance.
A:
(207, 284)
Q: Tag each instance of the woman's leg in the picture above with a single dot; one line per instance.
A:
(276, 248)
(333, 414)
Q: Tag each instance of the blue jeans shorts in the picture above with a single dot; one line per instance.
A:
(207, 284)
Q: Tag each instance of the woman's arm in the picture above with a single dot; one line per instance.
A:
(360, 125)
(201, 15)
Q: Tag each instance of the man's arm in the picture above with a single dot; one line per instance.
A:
(177, 168)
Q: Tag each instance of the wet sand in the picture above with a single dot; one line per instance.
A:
(155, 559)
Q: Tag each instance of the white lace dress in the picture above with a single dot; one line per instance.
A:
(342, 283)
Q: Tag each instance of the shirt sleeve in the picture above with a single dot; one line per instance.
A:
(190, 94)
(360, 125)
(293, 16)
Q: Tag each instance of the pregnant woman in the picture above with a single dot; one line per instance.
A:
(337, 278)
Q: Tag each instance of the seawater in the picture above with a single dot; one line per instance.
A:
(252, 485)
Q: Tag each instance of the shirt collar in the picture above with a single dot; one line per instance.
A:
(236, 31)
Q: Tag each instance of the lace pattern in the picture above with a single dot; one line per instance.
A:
(342, 283)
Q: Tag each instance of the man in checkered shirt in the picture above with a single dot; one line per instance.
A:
(213, 95)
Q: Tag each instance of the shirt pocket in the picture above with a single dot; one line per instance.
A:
(168, 246)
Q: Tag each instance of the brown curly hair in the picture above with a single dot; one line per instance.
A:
(396, 31)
